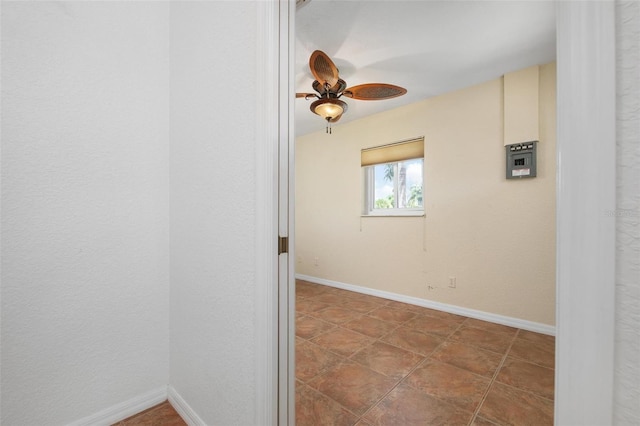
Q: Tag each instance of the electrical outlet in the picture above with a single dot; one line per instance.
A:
(452, 282)
(315, 261)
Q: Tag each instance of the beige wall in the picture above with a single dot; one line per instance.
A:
(496, 236)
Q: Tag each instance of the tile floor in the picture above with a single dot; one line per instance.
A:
(159, 415)
(370, 361)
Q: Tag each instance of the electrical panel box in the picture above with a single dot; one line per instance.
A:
(521, 160)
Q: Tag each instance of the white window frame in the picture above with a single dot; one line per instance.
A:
(368, 180)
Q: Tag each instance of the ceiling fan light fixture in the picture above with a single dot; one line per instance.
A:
(329, 108)
(330, 87)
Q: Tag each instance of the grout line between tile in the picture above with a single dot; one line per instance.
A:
(339, 404)
(379, 339)
(401, 380)
(495, 374)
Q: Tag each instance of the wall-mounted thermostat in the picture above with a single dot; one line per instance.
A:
(521, 160)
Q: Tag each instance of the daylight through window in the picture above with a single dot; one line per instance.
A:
(393, 179)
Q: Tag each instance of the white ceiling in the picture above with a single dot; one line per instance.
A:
(427, 47)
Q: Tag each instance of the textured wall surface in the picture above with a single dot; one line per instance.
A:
(627, 375)
(212, 208)
(85, 207)
(496, 236)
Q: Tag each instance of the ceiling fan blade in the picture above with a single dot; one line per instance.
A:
(323, 68)
(306, 95)
(374, 91)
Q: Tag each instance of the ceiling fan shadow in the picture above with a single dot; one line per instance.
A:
(319, 26)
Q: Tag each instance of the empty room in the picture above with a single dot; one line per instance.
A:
(425, 213)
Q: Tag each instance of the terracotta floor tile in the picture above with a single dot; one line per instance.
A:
(393, 315)
(496, 342)
(306, 289)
(341, 292)
(309, 305)
(371, 327)
(467, 357)
(479, 421)
(361, 306)
(312, 360)
(308, 327)
(367, 298)
(451, 356)
(354, 386)
(160, 415)
(454, 385)
(342, 341)
(541, 353)
(536, 337)
(442, 315)
(412, 340)
(505, 405)
(409, 407)
(330, 298)
(336, 314)
(490, 326)
(432, 325)
(405, 306)
(527, 376)
(314, 408)
(388, 360)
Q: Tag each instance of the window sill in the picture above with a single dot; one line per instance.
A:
(418, 213)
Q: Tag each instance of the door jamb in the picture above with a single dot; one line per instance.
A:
(586, 146)
(585, 231)
(274, 396)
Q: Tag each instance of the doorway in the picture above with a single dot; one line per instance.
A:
(580, 129)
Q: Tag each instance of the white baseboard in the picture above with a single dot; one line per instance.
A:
(184, 409)
(471, 313)
(125, 409)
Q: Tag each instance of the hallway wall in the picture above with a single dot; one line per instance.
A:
(213, 85)
(627, 342)
(85, 207)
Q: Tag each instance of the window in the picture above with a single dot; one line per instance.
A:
(393, 179)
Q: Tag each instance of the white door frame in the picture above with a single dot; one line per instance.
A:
(286, 214)
(274, 396)
(586, 188)
(585, 219)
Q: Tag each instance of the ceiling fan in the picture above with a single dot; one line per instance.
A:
(330, 88)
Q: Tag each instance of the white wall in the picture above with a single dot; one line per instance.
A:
(496, 236)
(627, 349)
(213, 84)
(85, 207)
(92, 95)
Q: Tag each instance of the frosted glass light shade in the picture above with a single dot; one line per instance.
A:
(329, 109)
